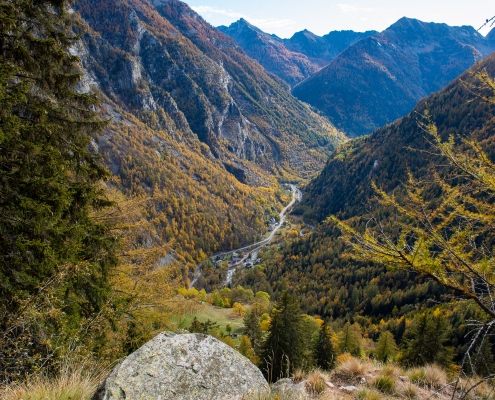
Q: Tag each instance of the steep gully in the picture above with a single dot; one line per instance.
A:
(251, 250)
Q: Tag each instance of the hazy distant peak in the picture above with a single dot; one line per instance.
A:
(380, 78)
(241, 25)
(306, 34)
(410, 25)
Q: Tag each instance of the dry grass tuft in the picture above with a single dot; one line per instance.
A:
(368, 394)
(435, 376)
(484, 391)
(408, 390)
(417, 376)
(390, 370)
(299, 376)
(315, 383)
(335, 396)
(385, 383)
(72, 384)
(352, 368)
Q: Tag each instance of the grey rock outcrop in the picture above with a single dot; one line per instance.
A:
(183, 367)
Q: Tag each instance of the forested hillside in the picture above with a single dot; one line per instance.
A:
(314, 266)
(344, 186)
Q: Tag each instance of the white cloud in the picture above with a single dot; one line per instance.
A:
(207, 10)
(347, 8)
(263, 23)
(271, 23)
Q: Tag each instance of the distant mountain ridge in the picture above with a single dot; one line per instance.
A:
(324, 48)
(381, 78)
(271, 53)
(294, 59)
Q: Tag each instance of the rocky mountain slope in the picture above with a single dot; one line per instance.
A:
(199, 133)
(294, 59)
(382, 77)
(162, 58)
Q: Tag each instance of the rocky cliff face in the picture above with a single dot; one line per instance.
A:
(381, 78)
(161, 59)
(184, 367)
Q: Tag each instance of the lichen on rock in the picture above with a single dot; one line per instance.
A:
(183, 367)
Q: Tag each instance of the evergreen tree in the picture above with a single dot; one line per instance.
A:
(252, 327)
(401, 329)
(386, 347)
(203, 327)
(425, 341)
(49, 184)
(324, 353)
(283, 349)
(350, 339)
(196, 326)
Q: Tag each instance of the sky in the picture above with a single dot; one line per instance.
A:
(285, 17)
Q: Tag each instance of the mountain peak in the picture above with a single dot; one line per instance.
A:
(406, 23)
(243, 23)
(271, 52)
(304, 34)
(491, 35)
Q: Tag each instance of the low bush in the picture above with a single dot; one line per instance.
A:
(342, 358)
